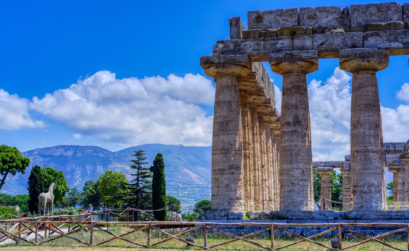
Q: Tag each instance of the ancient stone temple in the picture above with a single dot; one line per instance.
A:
(262, 161)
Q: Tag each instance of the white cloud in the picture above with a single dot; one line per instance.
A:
(14, 113)
(134, 111)
(278, 94)
(403, 93)
(395, 122)
(330, 115)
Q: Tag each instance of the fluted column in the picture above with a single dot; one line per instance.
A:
(256, 169)
(326, 203)
(244, 108)
(296, 186)
(405, 173)
(346, 187)
(367, 158)
(227, 145)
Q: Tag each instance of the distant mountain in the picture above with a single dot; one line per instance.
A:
(187, 168)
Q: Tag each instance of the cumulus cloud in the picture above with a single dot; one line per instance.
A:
(330, 104)
(395, 122)
(14, 113)
(134, 111)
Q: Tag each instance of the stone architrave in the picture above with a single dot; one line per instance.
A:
(326, 203)
(296, 186)
(367, 160)
(227, 145)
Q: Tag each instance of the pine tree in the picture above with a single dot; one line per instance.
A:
(159, 188)
(35, 187)
(141, 185)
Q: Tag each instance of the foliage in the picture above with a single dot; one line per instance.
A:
(336, 181)
(20, 200)
(90, 195)
(173, 204)
(35, 187)
(73, 198)
(111, 186)
(201, 207)
(389, 188)
(159, 188)
(50, 175)
(141, 187)
(190, 216)
(39, 182)
(11, 162)
(7, 213)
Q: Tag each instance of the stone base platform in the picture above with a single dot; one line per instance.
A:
(310, 216)
(358, 216)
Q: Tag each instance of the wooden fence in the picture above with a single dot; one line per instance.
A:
(44, 230)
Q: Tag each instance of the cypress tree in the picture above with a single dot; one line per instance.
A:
(35, 187)
(159, 188)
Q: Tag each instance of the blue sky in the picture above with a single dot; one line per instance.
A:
(120, 54)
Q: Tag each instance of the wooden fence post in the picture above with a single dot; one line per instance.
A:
(91, 233)
(36, 233)
(272, 237)
(149, 236)
(19, 234)
(205, 235)
(407, 235)
(339, 237)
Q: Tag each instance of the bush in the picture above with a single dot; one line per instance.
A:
(7, 212)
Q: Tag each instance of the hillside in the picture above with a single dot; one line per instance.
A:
(187, 168)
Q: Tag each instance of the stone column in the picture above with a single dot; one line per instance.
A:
(395, 183)
(405, 173)
(227, 145)
(296, 186)
(346, 186)
(326, 203)
(367, 159)
(244, 108)
(256, 170)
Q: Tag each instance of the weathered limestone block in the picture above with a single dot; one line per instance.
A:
(321, 17)
(270, 19)
(227, 145)
(326, 203)
(363, 14)
(405, 12)
(295, 143)
(396, 40)
(367, 158)
(236, 28)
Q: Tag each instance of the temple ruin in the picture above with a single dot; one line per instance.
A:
(262, 161)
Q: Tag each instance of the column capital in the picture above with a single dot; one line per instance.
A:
(226, 66)
(285, 62)
(325, 170)
(363, 59)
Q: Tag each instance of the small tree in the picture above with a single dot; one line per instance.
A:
(159, 188)
(201, 207)
(111, 186)
(91, 195)
(141, 186)
(173, 204)
(389, 188)
(73, 198)
(11, 162)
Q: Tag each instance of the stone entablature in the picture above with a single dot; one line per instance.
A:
(323, 29)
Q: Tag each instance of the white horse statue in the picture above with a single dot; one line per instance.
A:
(45, 199)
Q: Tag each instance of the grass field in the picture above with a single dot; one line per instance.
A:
(67, 244)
